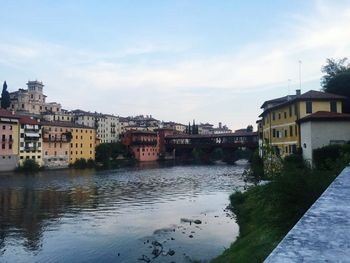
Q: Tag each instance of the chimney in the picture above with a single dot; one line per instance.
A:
(298, 92)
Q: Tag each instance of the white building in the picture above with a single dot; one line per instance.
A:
(107, 126)
(323, 128)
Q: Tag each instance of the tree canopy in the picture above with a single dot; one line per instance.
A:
(336, 79)
(5, 97)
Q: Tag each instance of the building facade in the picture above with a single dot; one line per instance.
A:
(321, 129)
(30, 140)
(106, 125)
(143, 145)
(279, 120)
(9, 130)
(82, 144)
(32, 100)
(56, 140)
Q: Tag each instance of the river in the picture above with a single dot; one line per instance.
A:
(116, 215)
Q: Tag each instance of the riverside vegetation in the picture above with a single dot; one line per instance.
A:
(266, 212)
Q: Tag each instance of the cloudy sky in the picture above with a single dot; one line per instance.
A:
(176, 60)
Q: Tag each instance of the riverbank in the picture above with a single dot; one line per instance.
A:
(266, 213)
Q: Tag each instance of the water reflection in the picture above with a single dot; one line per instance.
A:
(57, 215)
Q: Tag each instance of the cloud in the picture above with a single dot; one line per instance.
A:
(148, 77)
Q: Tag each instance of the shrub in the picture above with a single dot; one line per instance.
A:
(80, 164)
(325, 156)
(29, 165)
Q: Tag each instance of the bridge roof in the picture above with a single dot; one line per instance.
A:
(232, 134)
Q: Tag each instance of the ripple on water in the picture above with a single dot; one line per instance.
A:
(94, 216)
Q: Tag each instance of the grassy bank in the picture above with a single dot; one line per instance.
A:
(266, 213)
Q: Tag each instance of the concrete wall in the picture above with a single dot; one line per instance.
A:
(318, 134)
(8, 162)
(322, 234)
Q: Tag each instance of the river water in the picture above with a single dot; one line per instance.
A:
(115, 216)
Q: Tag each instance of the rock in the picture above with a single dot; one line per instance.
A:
(190, 236)
(193, 232)
(197, 221)
(171, 252)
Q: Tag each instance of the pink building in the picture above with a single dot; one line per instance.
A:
(142, 144)
(9, 140)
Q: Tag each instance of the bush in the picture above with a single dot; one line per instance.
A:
(80, 164)
(29, 165)
(331, 157)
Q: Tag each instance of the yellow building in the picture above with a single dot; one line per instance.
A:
(83, 143)
(279, 127)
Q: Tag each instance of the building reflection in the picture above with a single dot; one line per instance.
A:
(25, 213)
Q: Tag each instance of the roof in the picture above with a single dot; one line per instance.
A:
(141, 132)
(310, 95)
(8, 114)
(28, 120)
(319, 95)
(278, 100)
(65, 124)
(231, 134)
(325, 116)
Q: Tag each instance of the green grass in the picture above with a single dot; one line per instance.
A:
(266, 213)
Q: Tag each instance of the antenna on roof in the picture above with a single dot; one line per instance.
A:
(300, 74)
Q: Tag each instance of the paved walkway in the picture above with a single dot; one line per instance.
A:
(323, 233)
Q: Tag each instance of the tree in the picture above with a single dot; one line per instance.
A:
(337, 79)
(250, 128)
(5, 97)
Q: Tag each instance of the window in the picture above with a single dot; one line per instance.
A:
(290, 111)
(273, 115)
(4, 127)
(274, 133)
(285, 115)
(10, 146)
(296, 130)
(3, 146)
(279, 115)
(333, 105)
(308, 106)
(285, 133)
(290, 131)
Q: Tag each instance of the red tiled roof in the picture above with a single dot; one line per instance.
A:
(325, 116)
(319, 95)
(27, 120)
(8, 114)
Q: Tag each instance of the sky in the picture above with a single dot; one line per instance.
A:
(208, 60)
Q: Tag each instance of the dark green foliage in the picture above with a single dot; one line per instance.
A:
(337, 79)
(267, 212)
(29, 165)
(80, 164)
(107, 153)
(68, 135)
(257, 166)
(331, 157)
(5, 97)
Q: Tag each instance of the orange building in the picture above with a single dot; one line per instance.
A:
(56, 139)
(142, 144)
